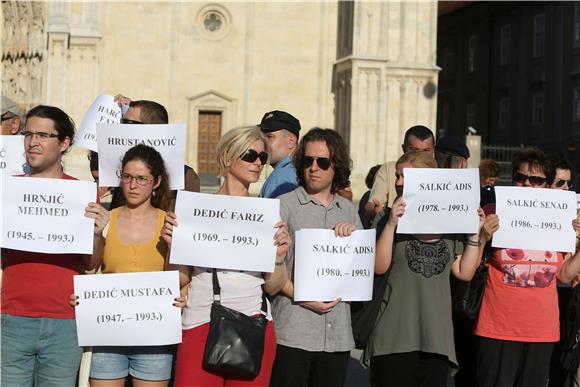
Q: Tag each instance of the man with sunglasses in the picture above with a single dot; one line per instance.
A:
(10, 117)
(282, 131)
(314, 338)
(562, 176)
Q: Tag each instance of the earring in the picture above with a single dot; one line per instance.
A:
(153, 193)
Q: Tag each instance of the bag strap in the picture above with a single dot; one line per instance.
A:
(216, 286)
(217, 293)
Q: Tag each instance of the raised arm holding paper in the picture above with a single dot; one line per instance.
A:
(416, 322)
(519, 310)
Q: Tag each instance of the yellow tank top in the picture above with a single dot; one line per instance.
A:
(125, 258)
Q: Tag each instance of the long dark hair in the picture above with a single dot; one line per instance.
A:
(338, 155)
(153, 160)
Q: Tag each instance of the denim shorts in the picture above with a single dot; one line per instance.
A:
(151, 363)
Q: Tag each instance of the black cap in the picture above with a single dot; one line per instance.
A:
(277, 120)
(452, 145)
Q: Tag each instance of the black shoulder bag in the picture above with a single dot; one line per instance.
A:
(468, 296)
(364, 314)
(235, 342)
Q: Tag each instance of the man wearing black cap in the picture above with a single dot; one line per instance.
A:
(281, 130)
(451, 152)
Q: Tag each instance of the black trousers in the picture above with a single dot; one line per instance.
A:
(295, 367)
(504, 363)
(410, 369)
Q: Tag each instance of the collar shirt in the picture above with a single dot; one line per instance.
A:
(282, 179)
(296, 326)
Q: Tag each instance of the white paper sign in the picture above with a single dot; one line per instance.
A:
(12, 156)
(128, 309)
(47, 215)
(440, 201)
(116, 139)
(535, 219)
(103, 110)
(225, 232)
(327, 267)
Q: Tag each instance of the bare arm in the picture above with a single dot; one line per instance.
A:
(167, 235)
(101, 217)
(274, 282)
(384, 249)
(571, 267)
(466, 264)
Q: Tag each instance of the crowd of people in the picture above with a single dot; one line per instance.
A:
(415, 340)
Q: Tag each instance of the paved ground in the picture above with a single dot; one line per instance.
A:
(357, 376)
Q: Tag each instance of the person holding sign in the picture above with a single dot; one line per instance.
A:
(241, 155)
(518, 321)
(412, 342)
(315, 338)
(39, 337)
(133, 244)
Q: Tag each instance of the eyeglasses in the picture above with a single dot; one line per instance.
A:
(560, 183)
(251, 155)
(42, 136)
(535, 181)
(128, 121)
(140, 180)
(323, 162)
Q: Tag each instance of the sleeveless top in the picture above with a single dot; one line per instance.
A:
(120, 257)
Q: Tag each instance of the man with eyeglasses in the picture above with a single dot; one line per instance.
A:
(39, 338)
(10, 117)
(315, 338)
(282, 131)
(150, 112)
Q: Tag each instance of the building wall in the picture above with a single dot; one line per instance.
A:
(512, 71)
(385, 78)
(262, 56)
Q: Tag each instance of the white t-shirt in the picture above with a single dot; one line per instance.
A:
(240, 290)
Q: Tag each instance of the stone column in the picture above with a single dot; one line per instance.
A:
(73, 65)
(385, 78)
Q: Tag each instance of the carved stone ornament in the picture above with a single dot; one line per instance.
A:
(23, 50)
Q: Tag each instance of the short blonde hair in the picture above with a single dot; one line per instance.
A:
(234, 143)
(419, 159)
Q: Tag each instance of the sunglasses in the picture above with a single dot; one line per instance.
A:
(536, 181)
(128, 121)
(560, 182)
(323, 162)
(251, 155)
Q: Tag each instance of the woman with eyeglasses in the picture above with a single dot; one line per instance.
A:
(241, 155)
(518, 321)
(412, 343)
(133, 243)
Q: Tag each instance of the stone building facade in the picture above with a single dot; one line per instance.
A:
(364, 68)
